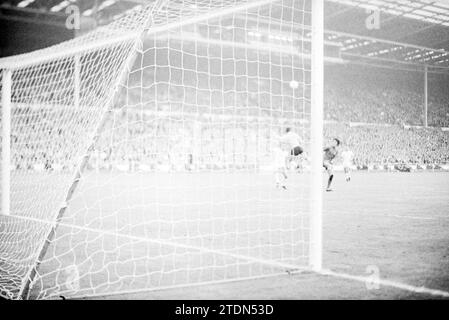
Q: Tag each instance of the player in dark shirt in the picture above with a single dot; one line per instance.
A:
(330, 153)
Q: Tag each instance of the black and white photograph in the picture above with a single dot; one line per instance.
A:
(208, 151)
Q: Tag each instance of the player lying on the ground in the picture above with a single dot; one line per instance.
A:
(330, 153)
(347, 156)
(292, 142)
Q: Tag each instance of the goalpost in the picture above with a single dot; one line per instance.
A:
(139, 156)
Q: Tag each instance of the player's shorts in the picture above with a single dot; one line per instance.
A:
(296, 151)
(279, 158)
(328, 166)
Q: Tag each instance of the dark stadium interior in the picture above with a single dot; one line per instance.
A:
(425, 31)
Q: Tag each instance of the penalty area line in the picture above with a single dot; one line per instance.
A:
(398, 216)
(324, 272)
(414, 217)
(386, 283)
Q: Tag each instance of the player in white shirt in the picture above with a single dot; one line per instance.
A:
(292, 142)
(280, 174)
(347, 156)
(280, 154)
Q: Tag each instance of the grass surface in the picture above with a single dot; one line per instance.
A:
(150, 231)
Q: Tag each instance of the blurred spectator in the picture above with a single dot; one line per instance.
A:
(205, 122)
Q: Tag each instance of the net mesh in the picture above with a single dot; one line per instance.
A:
(142, 154)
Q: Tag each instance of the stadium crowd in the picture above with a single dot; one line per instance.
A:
(180, 142)
(380, 145)
(394, 97)
(377, 115)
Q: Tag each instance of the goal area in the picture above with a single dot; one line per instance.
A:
(140, 156)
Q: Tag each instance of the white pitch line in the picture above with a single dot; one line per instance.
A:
(325, 272)
(177, 287)
(387, 283)
(412, 217)
(389, 215)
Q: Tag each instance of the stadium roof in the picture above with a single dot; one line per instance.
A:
(411, 35)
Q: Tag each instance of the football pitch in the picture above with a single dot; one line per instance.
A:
(395, 225)
(388, 226)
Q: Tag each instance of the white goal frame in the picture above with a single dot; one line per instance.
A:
(316, 127)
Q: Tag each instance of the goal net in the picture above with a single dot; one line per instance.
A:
(142, 153)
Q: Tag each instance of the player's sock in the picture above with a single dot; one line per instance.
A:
(329, 182)
(277, 179)
(280, 178)
(283, 181)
